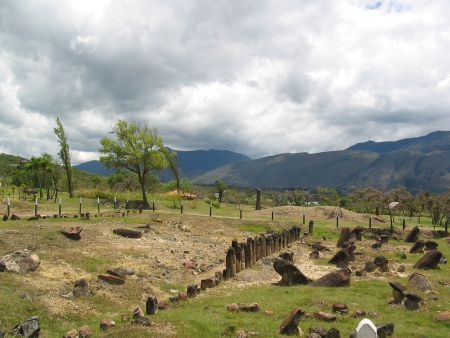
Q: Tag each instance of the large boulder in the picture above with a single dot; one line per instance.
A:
(419, 282)
(344, 237)
(289, 326)
(20, 261)
(289, 272)
(336, 278)
(28, 329)
(413, 235)
(73, 233)
(429, 261)
(417, 247)
(382, 263)
(343, 256)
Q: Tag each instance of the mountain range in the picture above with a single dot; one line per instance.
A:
(420, 164)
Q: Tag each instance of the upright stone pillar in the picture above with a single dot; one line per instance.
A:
(231, 262)
(258, 199)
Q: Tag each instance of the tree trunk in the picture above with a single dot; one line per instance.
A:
(144, 194)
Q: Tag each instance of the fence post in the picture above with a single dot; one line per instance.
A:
(35, 207)
(115, 203)
(153, 204)
(181, 209)
(272, 215)
(81, 202)
(370, 222)
(60, 206)
(98, 205)
(210, 209)
(304, 218)
(240, 213)
(337, 222)
(9, 207)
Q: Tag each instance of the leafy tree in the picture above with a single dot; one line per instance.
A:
(172, 161)
(136, 148)
(221, 187)
(64, 154)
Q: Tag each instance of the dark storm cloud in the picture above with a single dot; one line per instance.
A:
(257, 77)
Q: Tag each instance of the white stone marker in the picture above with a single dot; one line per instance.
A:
(366, 329)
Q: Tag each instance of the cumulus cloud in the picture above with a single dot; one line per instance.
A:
(258, 77)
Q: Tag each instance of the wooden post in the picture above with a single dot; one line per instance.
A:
(272, 215)
(98, 205)
(370, 222)
(311, 227)
(304, 218)
(404, 224)
(337, 222)
(115, 203)
(240, 213)
(81, 202)
(210, 209)
(153, 205)
(35, 207)
(8, 211)
(181, 206)
(230, 262)
(60, 207)
(258, 199)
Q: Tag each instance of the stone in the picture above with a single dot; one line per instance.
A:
(71, 334)
(327, 317)
(192, 290)
(401, 268)
(397, 292)
(429, 261)
(443, 316)
(431, 245)
(14, 217)
(289, 273)
(287, 256)
(366, 329)
(182, 296)
(85, 332)
(121, 272)
(289, 326)
(81, 288)
(107, 324)
(382, 263)
(129, 233)
(163, 305)
(151, 305)
(376, 245)
(73, 233)
(385, 330)
(317, 246)
(343, 256)
(370, 266)
(412, 301)
(420, 282)
(230, 262)
(344, 237)
(360, 273)
(318, 331)
(20, 261)
(314, 255)
(417, 247)
(207, 283)
(384, 239)
(251, 307)
(413, 235)
(356, 233)
(28, 329)
(245, 334)
(111, 279)
(340, 308)
(139, 318)
(5, 217)
(338, 278)
(2, 267)
(174, 300)
(333, 333)
(359, 313)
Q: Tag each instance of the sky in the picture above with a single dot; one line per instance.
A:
(258, 77)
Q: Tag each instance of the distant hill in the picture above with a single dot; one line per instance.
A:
(8, 163)
(192, 163)
(421, 163)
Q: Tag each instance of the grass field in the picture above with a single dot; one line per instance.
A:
(63, 261)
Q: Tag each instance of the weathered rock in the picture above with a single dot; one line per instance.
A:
(420, 282)
(327, 317)
(207, 283)
(336, 278)
(360, 273)
(385, 330)
(356, 233)
(139, 318)
(401, 268)
(365, 329)
(376, 245)
(384, 239)
(121, 272)
(163, 305)
(28, 329)
(289, 326)
(382, 263)
(111, 279)
(71, 334)
(151, 305)
(20, 261)
(85, 332)
(287, 256)
(129, 233)
(413, 235)
(107, 324)
(81, 288)
(317, 246)
(412, 301)
(431, 245)
(73, 233)
(417, 247)
(359, 313)
(443, 316)
(397, 292)
(343, 256)
(344, 237)
(252, 307)
(289, 273)
(245, 334)
(5, 218)
(2, 267)
(340, 308)
(192, 290)
(14, 217)
(314, 255)
(318, 332)
(370, 266)
(429, 261)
